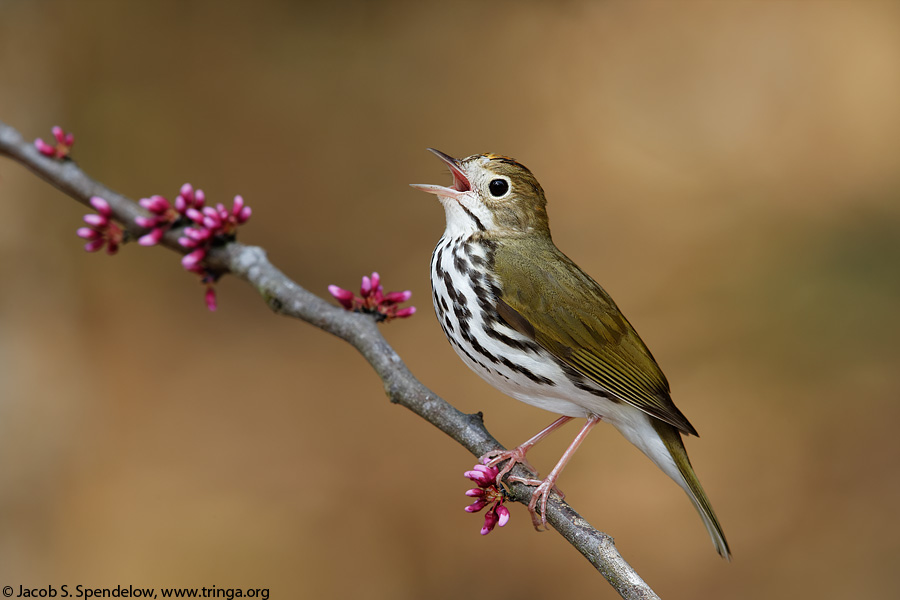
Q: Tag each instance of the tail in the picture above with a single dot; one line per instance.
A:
(672, 458)
(672, 440)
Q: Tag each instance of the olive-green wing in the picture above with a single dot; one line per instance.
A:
(547, 298)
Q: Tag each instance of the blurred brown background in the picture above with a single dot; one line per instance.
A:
(728, 171)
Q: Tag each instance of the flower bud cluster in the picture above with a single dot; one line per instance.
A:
(206, 226)
(209, 224)
(102, 230)
(64, 143)
(488, 493)
(163, 215)
(373, 300)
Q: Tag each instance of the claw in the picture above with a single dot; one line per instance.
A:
(517, 454)
(544, 488)
(512, 457)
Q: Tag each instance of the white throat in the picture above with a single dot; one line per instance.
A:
(465, 216)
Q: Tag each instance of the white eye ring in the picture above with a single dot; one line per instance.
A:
(499, 187)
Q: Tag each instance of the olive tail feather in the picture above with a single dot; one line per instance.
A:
(672, 440)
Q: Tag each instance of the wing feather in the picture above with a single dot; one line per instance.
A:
(550, 300)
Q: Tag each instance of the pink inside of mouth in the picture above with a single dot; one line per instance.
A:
(460, 183)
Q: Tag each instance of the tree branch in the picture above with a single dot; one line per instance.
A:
(285, 297)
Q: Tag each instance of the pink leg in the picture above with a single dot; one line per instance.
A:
(546, 486)
(517, 454)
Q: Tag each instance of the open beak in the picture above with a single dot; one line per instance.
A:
(460, 182)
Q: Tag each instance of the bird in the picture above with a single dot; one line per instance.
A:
(529, 321)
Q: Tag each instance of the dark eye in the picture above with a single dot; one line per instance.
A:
(498, 187)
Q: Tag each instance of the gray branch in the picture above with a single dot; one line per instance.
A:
(285, 297)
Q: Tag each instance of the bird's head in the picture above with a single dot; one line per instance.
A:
(490, 193)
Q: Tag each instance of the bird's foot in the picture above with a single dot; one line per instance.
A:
(517, 454)
(511, 457)
(544, 488)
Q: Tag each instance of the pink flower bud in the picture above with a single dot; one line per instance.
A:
(478, 477)
(343, 296)
(475, 506)
(96, 220)
(244, 215)
(193, 234)
(87, 233)
(155, 204)
(196, 233)
(194, 215)
(101, 206)
(405, 312)
(210, 298)
(397, 297)
(490, 519)
(146, 222)
(152, 238)
(94, 245)
(238, 205)
(192, 260)
(503, 515)
(45, 149)
(59, 134)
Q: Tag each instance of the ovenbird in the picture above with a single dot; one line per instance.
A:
(530, 322)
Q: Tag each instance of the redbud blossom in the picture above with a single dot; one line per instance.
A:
(207, 226)
(488, 493)
(102, 230)
(164, 216)
(192, 260)
(373, 300)
(64, 143)
(210, 298)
